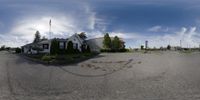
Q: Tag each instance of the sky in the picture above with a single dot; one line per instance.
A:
(161, 22)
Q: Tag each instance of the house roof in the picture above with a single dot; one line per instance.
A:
(34, 44)
(27, 45)
(58, 39)
(44, 41)
(61, 40)
(77, 36)
(30, 44)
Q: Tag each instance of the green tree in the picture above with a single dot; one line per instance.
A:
(168, 47)
(54, 47)
(82, 35)
(18, 50)
(107, 41)
(88, 49)
(3, 47)
(142, 47)
(37, 37)
(70, 49)
(116, 43)
(83, 48)
(8, 48)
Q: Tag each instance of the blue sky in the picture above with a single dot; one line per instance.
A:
(161, 22)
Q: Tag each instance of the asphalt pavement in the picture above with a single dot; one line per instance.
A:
(109, 76)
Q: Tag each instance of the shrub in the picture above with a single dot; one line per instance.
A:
(61, 57)
(123, 50)
(17, 50)
(7, 48)
(46, 58)
(105, 50)
(70, 49)
(54, 47)
(114, 50)
(83, 48)
(87, 54)
(76, 56)
(76, 51)
(88, 49)
(142, 47)
(3, 47)
(61, 51)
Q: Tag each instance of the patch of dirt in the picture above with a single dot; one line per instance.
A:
(109, 66)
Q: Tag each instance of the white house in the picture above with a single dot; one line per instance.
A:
(28, 49)
(76, 40)
(45, 45)
(34, 48)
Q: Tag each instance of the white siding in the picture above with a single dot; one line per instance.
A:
(76, 41)
(45, 42)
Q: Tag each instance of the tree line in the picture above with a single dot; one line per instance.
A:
(113, 45)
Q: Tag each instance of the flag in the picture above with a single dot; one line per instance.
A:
(50, 22)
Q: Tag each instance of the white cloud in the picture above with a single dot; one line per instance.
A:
(27, 28)
(63, 25)
(158, 29)
(189, 37)
(155, 29)
(82, 18)
(125, 35)
(12, 41)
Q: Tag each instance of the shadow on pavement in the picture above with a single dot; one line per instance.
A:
(24, 59)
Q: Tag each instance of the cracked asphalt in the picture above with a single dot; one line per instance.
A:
(112, 76)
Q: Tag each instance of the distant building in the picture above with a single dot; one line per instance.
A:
(175, 48)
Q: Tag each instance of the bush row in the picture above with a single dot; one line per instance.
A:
(114, 50)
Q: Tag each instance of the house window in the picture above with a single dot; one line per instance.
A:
(61, 45)
(45, 46)
(76, 45)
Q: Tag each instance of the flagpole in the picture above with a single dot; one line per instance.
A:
(180, 43)
(50, 29)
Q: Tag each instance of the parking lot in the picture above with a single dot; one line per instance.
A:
(108, 76)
